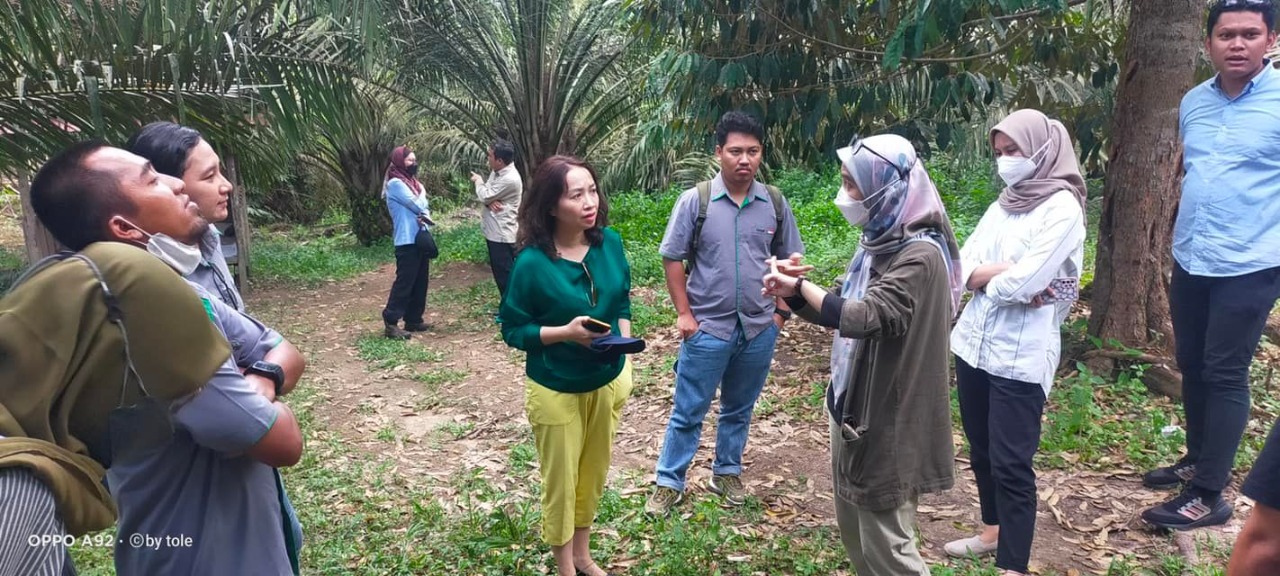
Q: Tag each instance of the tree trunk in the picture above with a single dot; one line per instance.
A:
(240, 220)
(39, 242)
(362, 176)
(1130, 302)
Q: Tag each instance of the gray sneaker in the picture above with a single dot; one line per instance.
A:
(730, 488)
(663, 500)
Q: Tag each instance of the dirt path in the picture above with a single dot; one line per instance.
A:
(466, 412)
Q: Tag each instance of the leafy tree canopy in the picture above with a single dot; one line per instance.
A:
(820, 71)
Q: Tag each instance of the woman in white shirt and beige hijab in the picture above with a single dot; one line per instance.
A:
(1022, 264)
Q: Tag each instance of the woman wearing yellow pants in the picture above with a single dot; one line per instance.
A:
(570, 284)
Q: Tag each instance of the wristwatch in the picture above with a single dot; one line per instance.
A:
(269, 371)
(785, 314)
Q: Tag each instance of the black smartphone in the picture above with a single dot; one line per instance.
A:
(596, 326)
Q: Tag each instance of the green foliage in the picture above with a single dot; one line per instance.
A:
(252, 75)
(647, 315)
(461, 242)
(441, 376)
(544, 73)
(1093, 422)
(307, 260)
(11, 266)
(932, 71)
(829, 241)
(304, 195)
(355, 150)
(641, 220)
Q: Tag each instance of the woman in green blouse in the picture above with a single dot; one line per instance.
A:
(570, 271)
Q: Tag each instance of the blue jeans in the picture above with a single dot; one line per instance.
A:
(705, 361)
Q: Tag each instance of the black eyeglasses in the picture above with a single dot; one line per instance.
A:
(857, 144)
(591, 296)
(1234, 3)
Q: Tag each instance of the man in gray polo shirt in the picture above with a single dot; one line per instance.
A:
(729, 328)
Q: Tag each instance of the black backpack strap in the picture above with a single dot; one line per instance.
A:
(704, 200)
(775, 196)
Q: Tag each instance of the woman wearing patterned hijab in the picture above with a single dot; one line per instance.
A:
(888, 399)
(1022, 263)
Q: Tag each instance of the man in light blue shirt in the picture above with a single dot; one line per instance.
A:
(1226, 250)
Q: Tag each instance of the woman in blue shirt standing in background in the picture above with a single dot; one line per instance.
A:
(407, 202)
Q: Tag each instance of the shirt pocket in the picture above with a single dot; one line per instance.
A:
(546, 407)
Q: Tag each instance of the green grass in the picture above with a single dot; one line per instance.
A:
(441, 377)
(472, 306)
(308, 260)
(1095, 423)
(384, 353)
(361, 517)
(457, 430)
(462, 242)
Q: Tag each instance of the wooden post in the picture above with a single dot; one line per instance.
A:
(39, 242)
(240, 219)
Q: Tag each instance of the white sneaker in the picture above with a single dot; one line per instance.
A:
(971, 546)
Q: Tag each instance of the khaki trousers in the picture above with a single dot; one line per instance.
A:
(879, 543)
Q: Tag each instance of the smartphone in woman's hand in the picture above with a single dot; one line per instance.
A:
(596, 326)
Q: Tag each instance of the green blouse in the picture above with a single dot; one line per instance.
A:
(551, 292)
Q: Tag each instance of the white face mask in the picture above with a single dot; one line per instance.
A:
(854, 211)
(1014, 169)
(183, 258)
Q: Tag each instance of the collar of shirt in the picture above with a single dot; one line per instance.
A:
(719, 190)
(1259, 79)
(505, 170)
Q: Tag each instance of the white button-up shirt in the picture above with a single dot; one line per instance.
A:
(999, 332)
(504, 186)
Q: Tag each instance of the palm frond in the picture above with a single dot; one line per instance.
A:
(544, 71)
(254, 75)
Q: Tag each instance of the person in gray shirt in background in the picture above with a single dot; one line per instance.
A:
(726, 228)
(500, 195)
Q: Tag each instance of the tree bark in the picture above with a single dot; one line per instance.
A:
(39, 242)
(1130, 301)
(240, 220)
(362, 174)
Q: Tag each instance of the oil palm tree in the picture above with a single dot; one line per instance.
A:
(549, 74)
(254, 75)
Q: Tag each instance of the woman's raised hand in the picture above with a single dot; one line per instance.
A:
(792, 266)
(783, 276)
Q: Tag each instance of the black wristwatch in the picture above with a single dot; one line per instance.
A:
(270, 371)
(785, 314)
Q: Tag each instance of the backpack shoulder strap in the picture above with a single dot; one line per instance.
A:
(704, 200)
(775, 196)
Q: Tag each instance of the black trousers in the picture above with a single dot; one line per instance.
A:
(502, 257)
(1001, 419)
(1263, 482)
(1217, 322)
(408, 298)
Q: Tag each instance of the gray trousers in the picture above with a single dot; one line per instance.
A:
(28, 512)
(879, 543)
